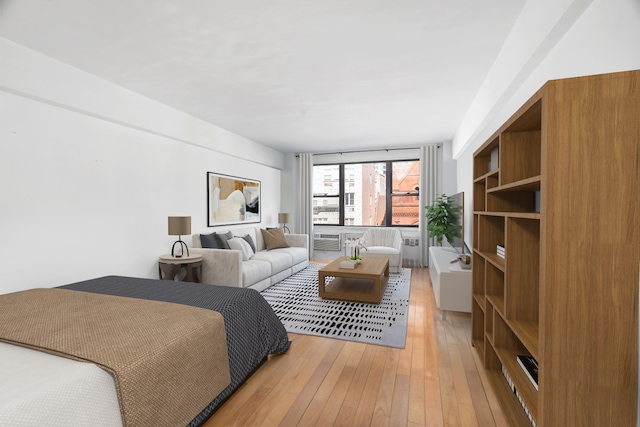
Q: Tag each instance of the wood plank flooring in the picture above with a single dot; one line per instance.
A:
(433, 381)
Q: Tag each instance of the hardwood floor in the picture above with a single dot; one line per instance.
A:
(433, 381)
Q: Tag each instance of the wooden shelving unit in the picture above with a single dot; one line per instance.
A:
(563, 200)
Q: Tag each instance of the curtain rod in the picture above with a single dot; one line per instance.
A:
(366, 151)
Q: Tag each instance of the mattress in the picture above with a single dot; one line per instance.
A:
(43, 389)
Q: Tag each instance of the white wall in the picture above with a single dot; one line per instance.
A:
(604, 38)
(90, 172)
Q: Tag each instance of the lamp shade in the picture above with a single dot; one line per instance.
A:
(179, 225)
(283, 218)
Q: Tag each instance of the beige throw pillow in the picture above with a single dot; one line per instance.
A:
(274, 238)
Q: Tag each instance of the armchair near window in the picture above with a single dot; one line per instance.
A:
(383, 243)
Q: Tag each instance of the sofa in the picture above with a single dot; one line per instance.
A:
(258, 268)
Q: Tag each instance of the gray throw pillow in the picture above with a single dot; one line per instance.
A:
(249, 240)
(222, 240)
(209, 241)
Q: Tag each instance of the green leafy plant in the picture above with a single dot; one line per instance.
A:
(442, 220)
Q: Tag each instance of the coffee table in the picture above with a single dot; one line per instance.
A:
(365, 283)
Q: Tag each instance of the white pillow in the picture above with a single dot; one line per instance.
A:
(239, 244)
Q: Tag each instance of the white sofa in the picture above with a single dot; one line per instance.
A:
(265, 268)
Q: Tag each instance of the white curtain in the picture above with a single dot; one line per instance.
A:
(304, 209)
(430, 174)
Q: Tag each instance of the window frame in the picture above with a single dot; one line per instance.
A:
(389, 194)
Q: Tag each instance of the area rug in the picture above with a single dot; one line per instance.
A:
(296, 302)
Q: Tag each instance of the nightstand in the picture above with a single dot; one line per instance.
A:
(185, 268)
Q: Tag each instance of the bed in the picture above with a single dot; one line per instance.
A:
(252, 332)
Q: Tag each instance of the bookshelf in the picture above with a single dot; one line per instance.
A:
(563, 200)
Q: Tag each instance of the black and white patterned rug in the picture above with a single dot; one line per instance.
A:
(296, 302)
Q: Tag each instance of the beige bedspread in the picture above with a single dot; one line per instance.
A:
(169, 361)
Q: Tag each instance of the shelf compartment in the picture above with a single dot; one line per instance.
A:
(494, 285)
(491, 233)
(477, 274)
(477, 324)
(510, 404)
(523, 270)
(479, 195)
(527, 184)
(529, 120)
(507, 346)
(488, 320)
(520, 156)
(512, 409)
(476, 218)
(482, 159)
(515, 201)
(495, 260)
(497, 301)
(527, 333)
(493, 179)
(527, 391)
(521, 146)
(480, 299)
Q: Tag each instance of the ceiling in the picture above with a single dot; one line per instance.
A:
(295, 75)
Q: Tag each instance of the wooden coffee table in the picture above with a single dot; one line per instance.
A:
(365, 283)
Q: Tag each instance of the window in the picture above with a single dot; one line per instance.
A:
(405, 196)
(326, 194)
(348, 199)
(367, 194)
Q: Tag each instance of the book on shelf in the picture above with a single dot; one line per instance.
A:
(530, 367)
(500, 251)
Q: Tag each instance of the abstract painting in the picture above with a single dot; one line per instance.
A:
(232, 200)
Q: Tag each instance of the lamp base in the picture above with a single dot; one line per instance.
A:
(182, 245)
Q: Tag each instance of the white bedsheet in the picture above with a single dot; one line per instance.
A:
(38, 388)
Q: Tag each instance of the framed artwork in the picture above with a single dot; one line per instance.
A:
(232, 200)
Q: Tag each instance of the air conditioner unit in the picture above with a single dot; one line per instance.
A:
(326, 242)
(410, 241)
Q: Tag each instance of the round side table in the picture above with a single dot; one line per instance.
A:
(185, 268)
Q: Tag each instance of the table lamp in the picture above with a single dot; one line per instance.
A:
(179, 225)
(283, 218)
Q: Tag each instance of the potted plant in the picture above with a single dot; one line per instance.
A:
(442, 220)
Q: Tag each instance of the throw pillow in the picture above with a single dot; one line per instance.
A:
(209, 241)
(250, 242)
(274, 238)
(239, 244)
(223, 238)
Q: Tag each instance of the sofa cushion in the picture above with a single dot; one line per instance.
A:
(380, 250)
(279, 261)
(274, 239)
(239, 244)
(253, 271)
(298, 255)
(209, 241)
